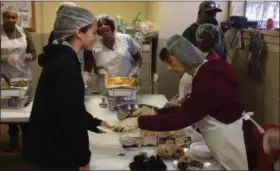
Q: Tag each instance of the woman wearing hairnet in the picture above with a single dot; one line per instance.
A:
(207, 36)
(57, 137)
(213, 105)
(119, 54)
(51, 37)
(84, 57)
(17, 52)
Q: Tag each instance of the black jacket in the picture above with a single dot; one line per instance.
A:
(57, 135)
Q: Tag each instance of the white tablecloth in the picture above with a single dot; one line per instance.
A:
(105, 148)
(91, 102)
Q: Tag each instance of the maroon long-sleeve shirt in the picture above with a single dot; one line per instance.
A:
(88, 56)
(215, 93)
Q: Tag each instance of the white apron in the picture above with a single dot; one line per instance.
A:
(185, 85)
(116, 62)
(17, 49)
(226, 141)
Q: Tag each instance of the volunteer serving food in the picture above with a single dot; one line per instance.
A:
(119, 54)
(207, 36)
(213, 105)
(17, 53)
(57, 137)
(206, 14)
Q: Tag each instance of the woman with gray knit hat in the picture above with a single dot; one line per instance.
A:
(57, 137)
(213, 105)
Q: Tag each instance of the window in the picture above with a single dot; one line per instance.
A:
(262, 11)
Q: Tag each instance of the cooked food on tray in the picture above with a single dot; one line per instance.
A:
(169, 151)
(189, 164)
(115, 82)
(131, 139)
(124, 125)
(19, 82)
(143, 111)
(149, 133)
(4, 84)
(143, 162)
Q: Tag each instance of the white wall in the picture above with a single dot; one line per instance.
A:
(237, 8)
(175, 17)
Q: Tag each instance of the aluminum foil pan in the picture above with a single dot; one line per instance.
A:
(120, 82)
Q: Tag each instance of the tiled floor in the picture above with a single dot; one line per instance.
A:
(11, 161)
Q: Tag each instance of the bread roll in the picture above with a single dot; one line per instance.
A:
(165, 150)
(177, 152)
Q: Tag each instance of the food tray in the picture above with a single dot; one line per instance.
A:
(200, 149)
(131, 139)
(120, 82)
(129, 93)
(14, 91)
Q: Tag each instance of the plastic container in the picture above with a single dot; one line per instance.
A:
(200, 149)
(165, 138)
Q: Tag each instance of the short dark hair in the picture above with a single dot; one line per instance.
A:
(107, 22)
(164, 54)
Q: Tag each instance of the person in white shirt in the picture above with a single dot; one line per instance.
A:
(17, 53)
(119, 54)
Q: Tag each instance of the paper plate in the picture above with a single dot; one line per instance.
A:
(200, 149)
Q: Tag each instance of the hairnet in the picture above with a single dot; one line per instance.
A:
(211, 29)
(105, 16)
(11, 9)
(69, 19)
(184, 50)
(64, 4)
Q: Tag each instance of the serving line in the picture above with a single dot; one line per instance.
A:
(92, 105)
(105, 148)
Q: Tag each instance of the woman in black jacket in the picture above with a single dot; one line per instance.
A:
(57, 136)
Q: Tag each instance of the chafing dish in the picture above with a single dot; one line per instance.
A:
(15, 92)
(121, 90)
(17, 87)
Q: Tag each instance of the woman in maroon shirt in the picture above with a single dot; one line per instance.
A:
(214, 105)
